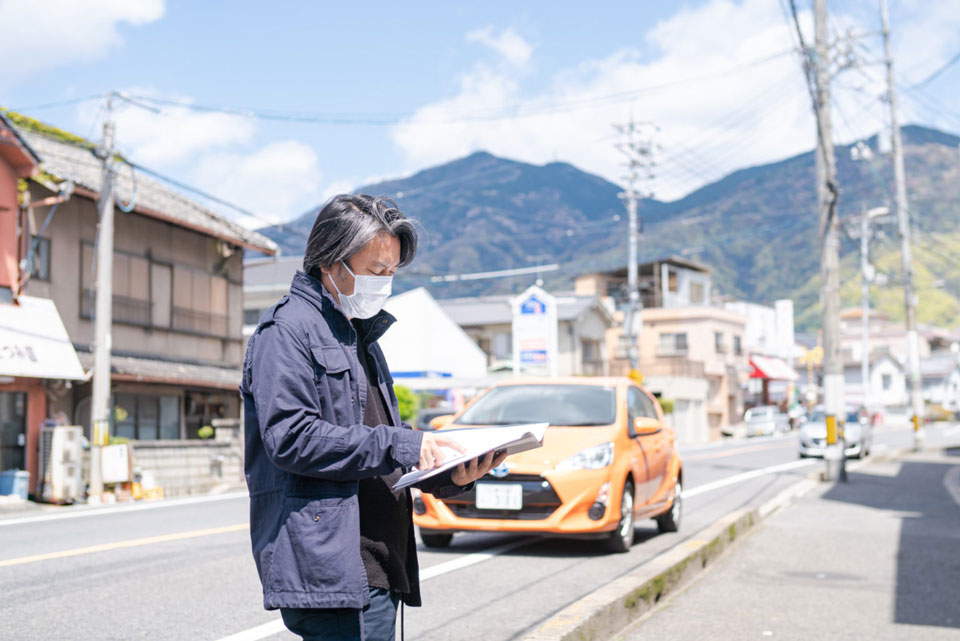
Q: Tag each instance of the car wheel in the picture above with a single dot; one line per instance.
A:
(622, 538)
(436, 539)
(670, 521)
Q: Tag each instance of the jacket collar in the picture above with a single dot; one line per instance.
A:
(369, 330)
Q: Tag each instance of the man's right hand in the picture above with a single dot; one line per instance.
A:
(431, 455)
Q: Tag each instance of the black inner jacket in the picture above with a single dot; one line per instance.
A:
(384, 513)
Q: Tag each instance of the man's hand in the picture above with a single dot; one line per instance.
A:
(465, 474)
(431, 455)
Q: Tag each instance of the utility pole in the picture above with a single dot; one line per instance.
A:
(639, 163)
(903, 223)
(100, 406)
(829, 247)
(865, 308)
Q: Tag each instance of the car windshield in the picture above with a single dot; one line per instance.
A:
(554, 404)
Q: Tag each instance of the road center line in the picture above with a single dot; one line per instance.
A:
(746, 476)
(276, 626)
(119, 545)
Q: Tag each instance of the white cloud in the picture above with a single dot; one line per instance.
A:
(41, 35)
(276, 181)
(175, 134)
(712, 120)
(508, 43)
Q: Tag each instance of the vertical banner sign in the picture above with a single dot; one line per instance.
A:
(534, 333)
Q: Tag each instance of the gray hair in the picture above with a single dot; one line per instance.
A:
(346, 223)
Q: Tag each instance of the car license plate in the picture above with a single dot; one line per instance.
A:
(499, 496)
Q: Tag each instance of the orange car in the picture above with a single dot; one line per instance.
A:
(607, 459)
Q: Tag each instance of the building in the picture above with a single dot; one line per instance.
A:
(36, 356)
(885, 336)
(177, 345)
(887, 383)
(690, 351)
(769, 340)
(582, 325)
(666, 282)
(697, 342)
(940, 373)
(265, 281)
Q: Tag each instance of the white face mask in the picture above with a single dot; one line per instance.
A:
(369, 294)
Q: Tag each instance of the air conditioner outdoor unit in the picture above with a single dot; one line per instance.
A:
(61, 453)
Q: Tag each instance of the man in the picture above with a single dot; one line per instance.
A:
(332, 541)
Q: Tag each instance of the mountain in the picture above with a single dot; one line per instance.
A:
(756, 228)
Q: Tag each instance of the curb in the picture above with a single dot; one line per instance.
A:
(609, 610)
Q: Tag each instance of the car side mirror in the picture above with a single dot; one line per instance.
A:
(441, 421)
(645, 426)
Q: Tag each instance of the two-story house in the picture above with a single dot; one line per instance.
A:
(177, 345)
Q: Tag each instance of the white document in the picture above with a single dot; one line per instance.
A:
(478, 441)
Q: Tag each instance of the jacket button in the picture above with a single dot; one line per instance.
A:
(316, 518)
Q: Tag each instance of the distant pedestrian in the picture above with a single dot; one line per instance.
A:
(333, 542)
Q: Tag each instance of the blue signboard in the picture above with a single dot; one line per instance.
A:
(533, 305)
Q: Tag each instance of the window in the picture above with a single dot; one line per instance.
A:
(887, 382)
(672, 344)
(145, 417)
(154, 294)
(199, 302)
(41, 258)
(737, 347)
(502, 345)
(251, 316)
(672, 281)
(696, 293)
(719, 343)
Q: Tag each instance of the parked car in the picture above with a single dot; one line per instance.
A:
(607, 460)
(765, 420)
(857, 434)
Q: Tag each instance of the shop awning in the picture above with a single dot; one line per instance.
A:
(34, 343)
(771, 368)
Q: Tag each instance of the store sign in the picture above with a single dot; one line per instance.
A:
(34, 342)
(535, 333)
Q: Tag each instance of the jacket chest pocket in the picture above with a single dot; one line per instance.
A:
(335, 387)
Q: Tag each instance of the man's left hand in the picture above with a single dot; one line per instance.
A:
(467, 473)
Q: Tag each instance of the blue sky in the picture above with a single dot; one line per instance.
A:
(536, 81)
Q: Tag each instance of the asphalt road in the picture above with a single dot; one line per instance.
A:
(183, 569)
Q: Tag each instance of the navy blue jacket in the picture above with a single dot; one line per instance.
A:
(304, 391)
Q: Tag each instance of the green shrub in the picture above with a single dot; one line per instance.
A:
(666, 404)
(407, 400)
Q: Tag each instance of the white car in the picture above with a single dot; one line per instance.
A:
(857, 434)
(765, 420)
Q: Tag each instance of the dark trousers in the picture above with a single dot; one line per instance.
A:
(376, 622)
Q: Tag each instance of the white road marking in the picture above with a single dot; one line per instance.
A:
(276, 626)
(746, 476)
(260, 632)
(79, 512)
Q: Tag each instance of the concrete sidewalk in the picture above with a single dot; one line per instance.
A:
(877, 558)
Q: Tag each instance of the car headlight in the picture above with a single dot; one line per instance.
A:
(592, 458)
